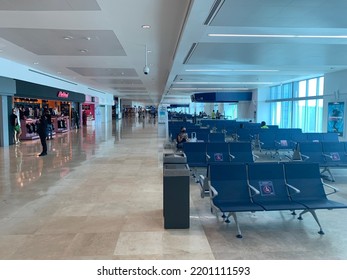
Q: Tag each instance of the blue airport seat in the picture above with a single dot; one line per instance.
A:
(306, 178)
(244, 134)
(230, 192)
(216, 137)
(269, 180)
(311, 152)
(314, 136)
(266, 139)
(335, 154)
(330, 137)
(241, 152)
(218, 152)
(195, 153)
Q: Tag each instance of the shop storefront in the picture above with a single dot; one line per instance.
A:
(63, 106)
(88, 110)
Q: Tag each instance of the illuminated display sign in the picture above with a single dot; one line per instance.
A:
(63, 94)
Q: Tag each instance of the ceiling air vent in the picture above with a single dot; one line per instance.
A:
(53, 77)
(214, 10)
(190, 53)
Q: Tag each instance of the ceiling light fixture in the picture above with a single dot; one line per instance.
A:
(68, 38)
(84, 51)
(231, 70)
(223, 83)
(146, 26)
(209, 89)
(278, 36)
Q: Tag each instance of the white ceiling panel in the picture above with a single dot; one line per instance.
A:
(104, 72)
(65, 42)
(49, 5)
(245, 44)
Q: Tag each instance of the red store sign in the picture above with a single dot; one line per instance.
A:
(63, 94)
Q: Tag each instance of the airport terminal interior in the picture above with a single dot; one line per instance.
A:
(98, 194)
(118, 79)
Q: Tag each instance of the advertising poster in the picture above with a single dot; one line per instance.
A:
(336, 117)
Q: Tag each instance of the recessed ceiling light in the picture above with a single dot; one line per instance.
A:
(146, 26)
(68, 38)
(84, 51)
(35, 63)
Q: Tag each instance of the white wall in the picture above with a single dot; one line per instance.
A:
(245, 110)
(335, 90)
(262, 108)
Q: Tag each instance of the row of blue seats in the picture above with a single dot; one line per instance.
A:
(231, 125)
(268, 187)
(266, 139)
(199, 154)
(326, 154)
(287, 138)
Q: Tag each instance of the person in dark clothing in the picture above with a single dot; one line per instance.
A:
(84, 117)
(181, 138)
(42, 131)
(77, 119)
(49, 125)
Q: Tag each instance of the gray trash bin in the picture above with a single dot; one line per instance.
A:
(176, 195)
(175, 158)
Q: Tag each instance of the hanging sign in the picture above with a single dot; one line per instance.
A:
(63, 94)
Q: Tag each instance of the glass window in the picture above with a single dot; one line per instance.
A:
(320, 86)
(302, 89)
(275, 92)
(312, 87)
(230, 111)
(305, 113)
(287, 91)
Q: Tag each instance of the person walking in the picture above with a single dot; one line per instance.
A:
(49, 124)
(15, 127)
(42, 131)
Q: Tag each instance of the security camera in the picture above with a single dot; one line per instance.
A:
(146, 70)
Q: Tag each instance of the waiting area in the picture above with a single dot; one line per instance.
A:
(98, 194)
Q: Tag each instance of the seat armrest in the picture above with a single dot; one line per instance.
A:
(213, 191)
(304, 156)
(201, 180)
(334, 189)
(328, 156)
(256, 192)
(296, 190)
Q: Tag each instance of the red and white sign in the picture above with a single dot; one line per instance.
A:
(63, 94)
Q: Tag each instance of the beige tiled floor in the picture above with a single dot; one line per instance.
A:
(98, 195)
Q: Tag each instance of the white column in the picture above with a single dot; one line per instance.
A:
(4, 129)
